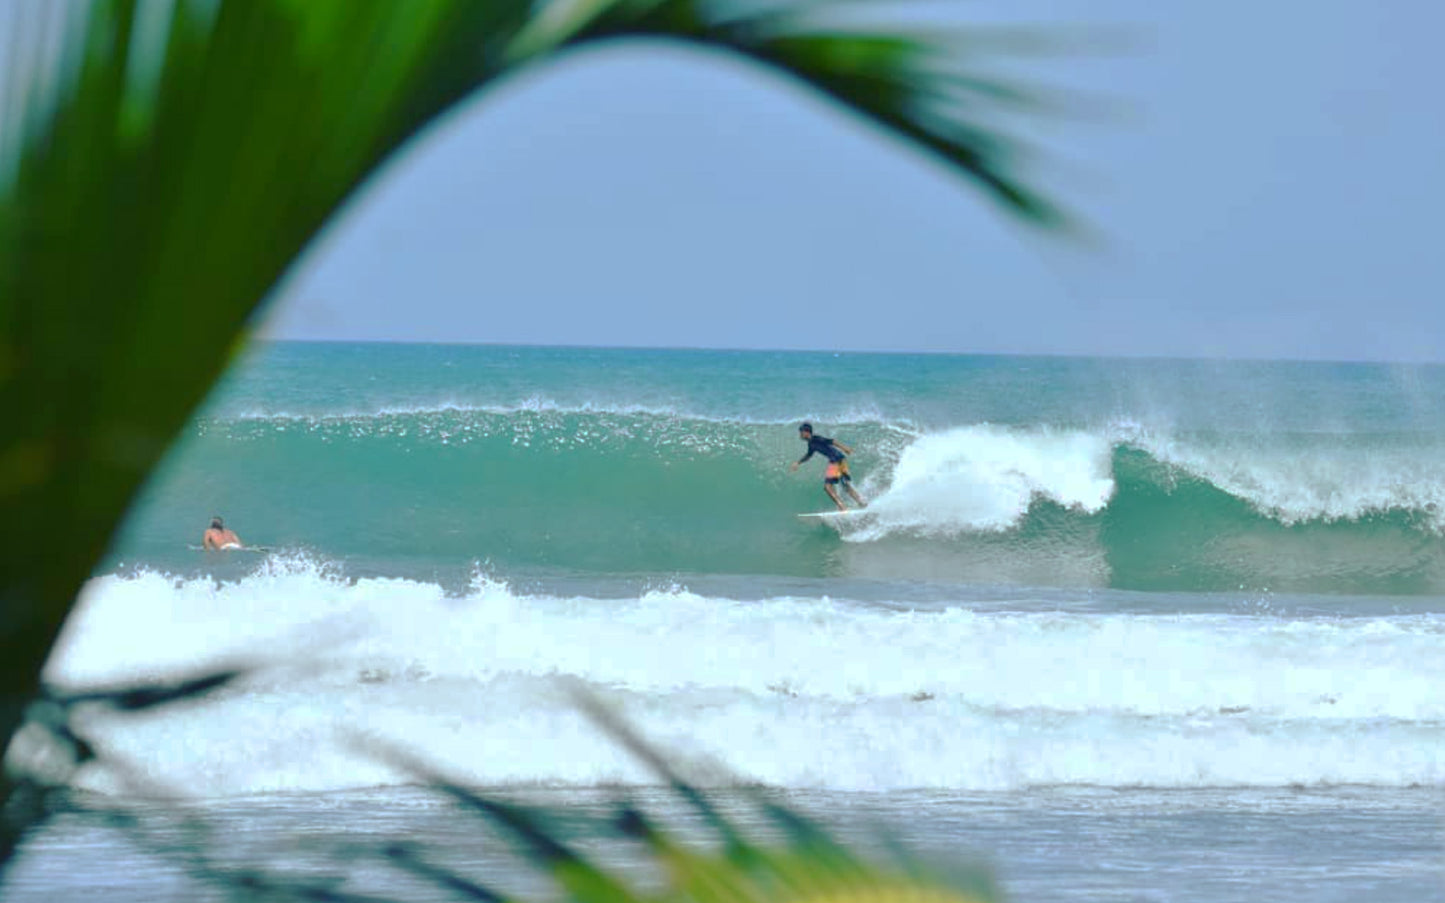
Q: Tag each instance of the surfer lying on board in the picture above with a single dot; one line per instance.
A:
(218, 536)
(837, 454)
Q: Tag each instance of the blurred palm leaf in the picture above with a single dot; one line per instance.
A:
(784, 857)
(163, 163)
(805, 865)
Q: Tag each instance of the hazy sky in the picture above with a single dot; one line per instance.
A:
(1272, 185)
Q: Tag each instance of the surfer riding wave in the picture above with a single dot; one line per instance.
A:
(837, 471)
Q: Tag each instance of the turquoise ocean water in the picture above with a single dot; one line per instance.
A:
(1130, 629)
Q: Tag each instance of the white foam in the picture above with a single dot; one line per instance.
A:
(152, 626)
(985, 478)
(798, 692)
(1322, 480)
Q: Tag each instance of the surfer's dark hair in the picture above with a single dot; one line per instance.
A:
(217, 523)
(805, 426)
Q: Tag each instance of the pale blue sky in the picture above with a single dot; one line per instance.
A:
(1273, 188)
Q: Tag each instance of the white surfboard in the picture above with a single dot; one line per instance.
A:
(829, 515)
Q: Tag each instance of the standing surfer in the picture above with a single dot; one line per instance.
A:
(837, 454)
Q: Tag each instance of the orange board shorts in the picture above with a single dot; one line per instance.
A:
(837, 472)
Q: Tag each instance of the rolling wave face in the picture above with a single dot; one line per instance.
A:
(796, 692)
(653, 491)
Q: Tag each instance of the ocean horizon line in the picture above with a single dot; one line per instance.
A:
(871, 352)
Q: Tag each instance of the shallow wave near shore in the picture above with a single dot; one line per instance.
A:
(942, 697)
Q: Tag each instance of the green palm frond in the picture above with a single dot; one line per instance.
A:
(921, 85)
(163, 163)
(805, 865)
(785, 858)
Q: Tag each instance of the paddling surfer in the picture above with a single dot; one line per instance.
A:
(219, 536)
(837, 472)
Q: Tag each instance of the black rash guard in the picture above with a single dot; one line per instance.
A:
(825, 447)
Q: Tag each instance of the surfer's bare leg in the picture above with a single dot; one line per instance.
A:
(833, 494)
(856, 497)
